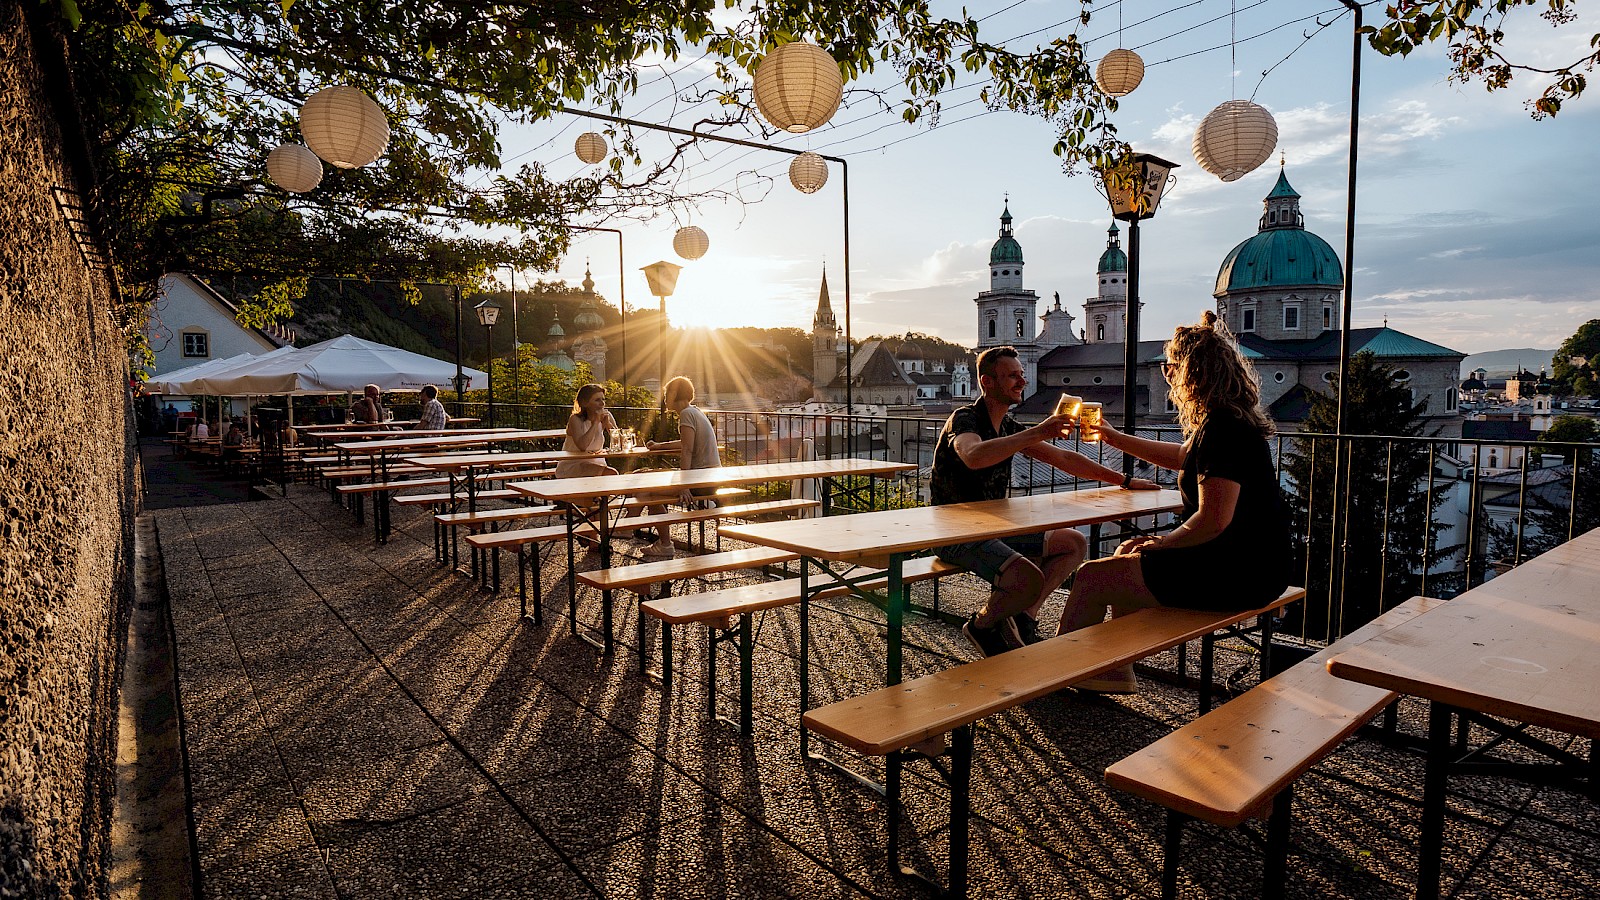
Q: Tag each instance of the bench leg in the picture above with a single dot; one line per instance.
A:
(1435, 781)
(1208, 651)
(746, 675)
(960, 807)
(1269, 627)
(538, 590)
(805, 657)
(522, 581)
(666, 656)
(711, 673)
(496, 554)
(1277, 867)
(1172, 853)
(894, 764)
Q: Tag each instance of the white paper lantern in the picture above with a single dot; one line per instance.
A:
(1119, 72)
(808, 172)
(590, 147)
(1234, 139)
(344, 126)
(798, 87)
(294, 168)
(691, 242)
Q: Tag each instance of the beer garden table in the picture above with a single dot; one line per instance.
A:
(1524, 647)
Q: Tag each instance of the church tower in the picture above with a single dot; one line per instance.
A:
(590, 347)
(824, 341)
(1007, 311)
(1105, 314)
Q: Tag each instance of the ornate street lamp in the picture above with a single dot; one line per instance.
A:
(488, 313)
(1134, 190)
(663, 279)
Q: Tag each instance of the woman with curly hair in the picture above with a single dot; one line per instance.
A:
(1232, 550)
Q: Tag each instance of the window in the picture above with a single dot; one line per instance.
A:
(1066, 379)
(1327, 318)
(1098, 379)
(1450, 400)
(1020, 327)
(1278, 377)
(1401, 376)
(1291, 318)
(1249, 322)
(1171, 407)
(991, 328)
(1100, 331)
(196, 343)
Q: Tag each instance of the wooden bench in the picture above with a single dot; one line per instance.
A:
(1240, 762)
(889, 722)
(716, 610)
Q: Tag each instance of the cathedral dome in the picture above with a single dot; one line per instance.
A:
(588, 318)
(1113, 260)
(1006, 250)
(1282, 253)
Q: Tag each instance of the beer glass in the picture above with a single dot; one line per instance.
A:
(1089, 422)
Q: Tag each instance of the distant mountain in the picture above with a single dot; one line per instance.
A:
(1500, 363)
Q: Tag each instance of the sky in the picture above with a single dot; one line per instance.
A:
(1474, 222)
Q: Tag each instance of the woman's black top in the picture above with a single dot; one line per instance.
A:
(1247, 565)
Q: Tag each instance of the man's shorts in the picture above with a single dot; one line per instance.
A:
(985, 559)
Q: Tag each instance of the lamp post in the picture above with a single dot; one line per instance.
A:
(488, 313)
(516, 343)
(1136, 198)
(461, 378)
(663, 279)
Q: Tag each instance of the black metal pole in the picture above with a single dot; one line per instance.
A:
(1130, 339)
(1350, 215)
(849, 343)
(461, 378)
(516, 343)
(661, 349)
(488, 367)
(622, 308)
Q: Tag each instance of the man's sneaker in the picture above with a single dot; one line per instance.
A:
(992, 641)
(1116, 681)
(1027, 628)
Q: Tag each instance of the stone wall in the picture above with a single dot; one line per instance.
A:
(67, 486)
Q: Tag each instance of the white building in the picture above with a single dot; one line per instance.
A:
(191, 323)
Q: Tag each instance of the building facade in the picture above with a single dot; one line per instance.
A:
(192, 323)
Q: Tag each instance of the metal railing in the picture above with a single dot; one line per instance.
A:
(1414, 515)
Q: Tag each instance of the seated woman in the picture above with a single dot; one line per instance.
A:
(589, 428)
(696, 447)
(1232, 550)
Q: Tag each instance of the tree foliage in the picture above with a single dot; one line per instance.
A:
(1577, 378)
(1475, 32)
(1382, 499)
(185, 98)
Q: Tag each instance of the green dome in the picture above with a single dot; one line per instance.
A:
(1283, 257)
(1006, 251)
(1113, 260)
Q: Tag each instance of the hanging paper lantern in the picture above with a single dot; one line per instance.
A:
(590, 147)
(294, 168)
(1119, 72)
(808, 173)
(1234, 139)
(691, 242)
(798, 87)
(344, 126)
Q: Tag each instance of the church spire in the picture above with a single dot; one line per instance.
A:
(823, 320)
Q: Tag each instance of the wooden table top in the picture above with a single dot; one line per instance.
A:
(449, 440)
(467, 460)
(874, 535)
(663, 480)
(399, 433)
(1525, 646)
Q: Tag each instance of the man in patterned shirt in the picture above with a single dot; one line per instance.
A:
(433, 415)
(972, 461)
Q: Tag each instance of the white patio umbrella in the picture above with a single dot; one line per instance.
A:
(343, 364)
(175, 382)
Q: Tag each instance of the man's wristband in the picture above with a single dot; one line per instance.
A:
(1127, 480)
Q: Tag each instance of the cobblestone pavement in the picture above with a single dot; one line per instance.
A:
(362, 723)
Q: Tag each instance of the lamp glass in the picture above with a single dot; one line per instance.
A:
(663, 277)
(1139, 199)
(488, 312)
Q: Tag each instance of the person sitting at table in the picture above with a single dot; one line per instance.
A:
(972, 461)
(201, 430)
(696, 447)
(589, 429)
(1232, 550)
(368, 410)
(433, 418)
(233, 441)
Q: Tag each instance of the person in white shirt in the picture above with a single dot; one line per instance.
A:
(696, 446)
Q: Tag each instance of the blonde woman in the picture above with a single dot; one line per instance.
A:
(1232, 550)
(589, 428)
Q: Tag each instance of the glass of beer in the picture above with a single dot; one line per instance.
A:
(1068, 405)
(1089, 422)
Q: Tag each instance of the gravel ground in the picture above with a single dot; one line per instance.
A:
(362, 723)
